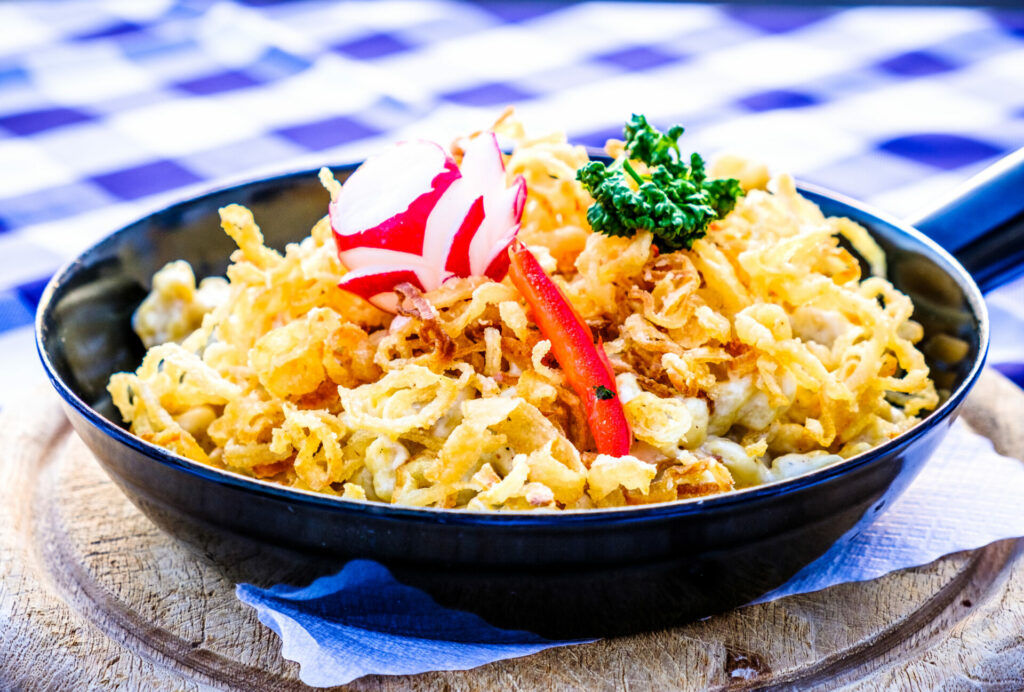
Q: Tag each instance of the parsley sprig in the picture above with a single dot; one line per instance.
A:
(674, 199)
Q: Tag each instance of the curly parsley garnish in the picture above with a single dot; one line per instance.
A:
(675, 201)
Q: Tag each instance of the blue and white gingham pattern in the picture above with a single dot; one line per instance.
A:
(109, 109)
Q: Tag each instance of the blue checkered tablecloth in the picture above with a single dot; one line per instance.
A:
(110, 109)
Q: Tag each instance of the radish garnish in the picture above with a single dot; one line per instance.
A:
(457, 262)
(386, 200)
(501, 223)
(377, 283)
(410, 214)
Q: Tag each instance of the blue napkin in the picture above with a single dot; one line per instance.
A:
(363, 622)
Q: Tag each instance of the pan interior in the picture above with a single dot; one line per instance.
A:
(947, 304)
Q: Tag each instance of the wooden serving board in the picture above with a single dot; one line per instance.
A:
(92, 595)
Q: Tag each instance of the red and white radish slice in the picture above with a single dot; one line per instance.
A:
(386, 201)
(450, 227)
(426, 273)
(503, 211)
(484, 168)
(410, 214)
(475, 212)
(483, 164)
(457, 262)
(377, 284)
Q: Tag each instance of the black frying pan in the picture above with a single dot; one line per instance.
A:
(560, 574)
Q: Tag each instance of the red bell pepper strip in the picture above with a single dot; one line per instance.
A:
(585, 364)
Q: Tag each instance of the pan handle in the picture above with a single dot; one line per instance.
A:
(983, 223)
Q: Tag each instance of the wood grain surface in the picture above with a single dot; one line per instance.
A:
(94, 596)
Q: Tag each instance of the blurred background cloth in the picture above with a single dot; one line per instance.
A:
(112, 109)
